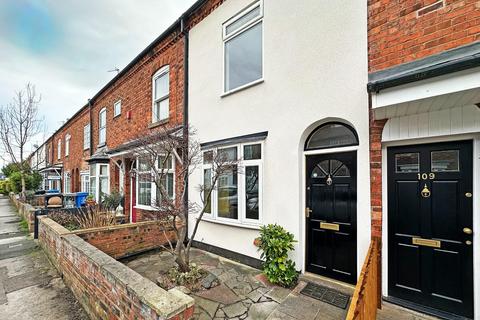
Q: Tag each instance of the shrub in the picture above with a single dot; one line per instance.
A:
(275, 243)
(64, 218)
(94, 217)
(112, 201)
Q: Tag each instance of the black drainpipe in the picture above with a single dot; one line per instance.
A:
(184, 31)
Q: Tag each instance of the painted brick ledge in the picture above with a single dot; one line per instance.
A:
(106, 288)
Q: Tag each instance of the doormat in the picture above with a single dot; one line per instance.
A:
(325, 294)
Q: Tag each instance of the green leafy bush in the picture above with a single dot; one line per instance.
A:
(275, 243)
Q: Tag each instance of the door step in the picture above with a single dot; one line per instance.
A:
(326, 294)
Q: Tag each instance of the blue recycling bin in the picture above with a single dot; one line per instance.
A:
(80, 198)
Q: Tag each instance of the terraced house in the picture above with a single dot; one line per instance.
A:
(351, 121)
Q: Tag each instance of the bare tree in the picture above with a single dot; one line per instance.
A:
(156, 156)
(19, 123)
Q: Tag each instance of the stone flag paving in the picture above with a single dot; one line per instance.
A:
(30, 287)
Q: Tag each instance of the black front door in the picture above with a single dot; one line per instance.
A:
(430, 226)
(331, 215)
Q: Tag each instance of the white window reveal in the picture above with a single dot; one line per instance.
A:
(147, 192)
(59, 149)
(243, 48)
(161, 94)
(86, 137)
(102, 127)
(237, 197)
(99, 181)
(117, 108)
(67, 144)
(84, 182)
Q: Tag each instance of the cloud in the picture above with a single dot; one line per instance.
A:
(67, 47)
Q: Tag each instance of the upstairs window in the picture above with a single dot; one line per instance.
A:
(102, 127)
(67, 145)
(243, 48)
(117, 108)
(59, 149)
(161, 95)
(86, 137)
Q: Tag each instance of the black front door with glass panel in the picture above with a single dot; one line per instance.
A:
(331, 199)
(430, 251)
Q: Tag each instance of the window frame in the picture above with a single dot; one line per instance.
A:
(115, 104)
(85, 181)
(242, 220)
(153, 187)
(59, 149)
(86, 136)
(100, 127)
(165, 70)
(67, 144)
(97, 177)
(225, 38)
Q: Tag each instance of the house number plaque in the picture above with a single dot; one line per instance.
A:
(426, 176)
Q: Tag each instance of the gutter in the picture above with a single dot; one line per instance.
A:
(186, 128)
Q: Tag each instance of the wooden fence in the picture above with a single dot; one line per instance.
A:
(366, 298)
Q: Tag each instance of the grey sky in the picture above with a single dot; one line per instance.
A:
(66, 47)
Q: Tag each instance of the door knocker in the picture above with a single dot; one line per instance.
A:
(329, 180)
(425, 192)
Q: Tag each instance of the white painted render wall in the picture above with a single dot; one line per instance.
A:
(315, 71)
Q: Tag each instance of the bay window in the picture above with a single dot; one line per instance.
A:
(84, 182)
(237, 197)
(99, 180)
(243, 48)
(148, 195)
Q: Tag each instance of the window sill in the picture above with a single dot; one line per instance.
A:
(158, 123)
(101, 145)
(143, 207)
(232, 224)
(241, 88)
(118, 115)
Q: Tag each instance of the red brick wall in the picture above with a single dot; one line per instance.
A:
(127, 239)
(107, 289)
(376, 128)
(407, 30)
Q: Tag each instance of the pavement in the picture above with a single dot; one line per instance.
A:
(30, 287)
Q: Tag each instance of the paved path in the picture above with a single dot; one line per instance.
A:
(30, 287)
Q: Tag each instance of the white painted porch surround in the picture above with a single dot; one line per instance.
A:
(433, 110)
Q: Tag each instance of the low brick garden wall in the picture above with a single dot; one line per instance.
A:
(123, 240)
(106, 288)
(25, 210)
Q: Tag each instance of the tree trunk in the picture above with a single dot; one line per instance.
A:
(22, 195)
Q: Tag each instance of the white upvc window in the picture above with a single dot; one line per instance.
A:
(67, 144)
(237, 197)
(161, 94)
(67, 185)
(59, 149)
(147, 193)
(243, 48)
(86, 137)
(84, 181)
(99, 180)
(117, 108)
(102, 127)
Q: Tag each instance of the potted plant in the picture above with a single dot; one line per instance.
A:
(90, 201)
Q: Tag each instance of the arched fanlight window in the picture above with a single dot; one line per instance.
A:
(331, 135)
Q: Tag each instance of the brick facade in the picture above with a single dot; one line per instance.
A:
(404, 31)
(128, 239)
